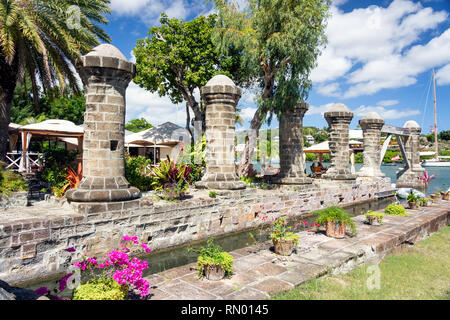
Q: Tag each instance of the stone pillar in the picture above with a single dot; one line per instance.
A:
(371, 125)
(106, 74)
(409, 177)
(292, 170)
(221, 96)
(339, 118)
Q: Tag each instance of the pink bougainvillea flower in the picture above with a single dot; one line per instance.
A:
(42, 291)
(70, 249)
(63, 282)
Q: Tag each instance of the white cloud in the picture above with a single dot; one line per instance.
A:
(443, 75)
(331, 90)
(386, 114)
(377, 48)
(152, 107)
(149, 11)
(388, 103)
(248, 113)
(319, 110)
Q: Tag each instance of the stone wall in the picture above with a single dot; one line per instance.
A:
(16, 199)
(36, 248)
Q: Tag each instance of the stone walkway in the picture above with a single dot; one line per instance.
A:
(258, 273)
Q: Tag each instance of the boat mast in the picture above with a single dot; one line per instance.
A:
(435, 120)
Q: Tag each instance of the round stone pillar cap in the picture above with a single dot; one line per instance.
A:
(339, 110)
(411, 124)
(106, 56)
(371, 117)
(221, 84)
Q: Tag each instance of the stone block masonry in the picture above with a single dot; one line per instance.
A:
(221, 97)
(106, 74)
(33, 242)
(339, 118)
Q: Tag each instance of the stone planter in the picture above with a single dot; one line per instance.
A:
(436, 196)
(412, 205)
(373, 221)
(284, 247)
(335, 229)
(214, 272)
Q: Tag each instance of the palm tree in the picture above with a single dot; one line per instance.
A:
(43, 39)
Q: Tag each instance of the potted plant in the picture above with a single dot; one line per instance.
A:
(412, 200)
(445, 194)
(395, 210)
(284, 241)
(213, 263)
(374, 218)
(336, 221)
(437, 195)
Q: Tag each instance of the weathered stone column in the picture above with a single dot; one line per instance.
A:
(339, 118)
(106, 74)
(291, 146)
(409, 176)
(371, 125)
(221, 96)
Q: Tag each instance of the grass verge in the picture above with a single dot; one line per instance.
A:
(420, 272)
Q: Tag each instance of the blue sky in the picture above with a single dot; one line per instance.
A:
(380, 56)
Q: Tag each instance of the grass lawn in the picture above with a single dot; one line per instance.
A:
(420, 272)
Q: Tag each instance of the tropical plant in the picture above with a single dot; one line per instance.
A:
(395, 210)
(212, 256)
(171, 177)
(412, 197)
(336, 215)
(280, 41)
(426, 178)
(73, 177)
(43, 39)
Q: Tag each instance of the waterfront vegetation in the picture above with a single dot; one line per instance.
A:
(430, 279)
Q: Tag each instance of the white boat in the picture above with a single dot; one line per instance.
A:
(436, 162)
(404, 193)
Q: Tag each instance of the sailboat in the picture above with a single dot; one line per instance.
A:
(436, 162)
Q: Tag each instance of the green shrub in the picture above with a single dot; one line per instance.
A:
(395, 210)
(10, 181)
(212, 194)
(335, 214)
(379, 216)
(135, 172)
(100, 289)
(55, 172)
(213, 255)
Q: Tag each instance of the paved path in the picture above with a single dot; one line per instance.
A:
(258, 273)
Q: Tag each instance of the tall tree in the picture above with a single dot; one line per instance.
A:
(280, 41)
(44, 38)
(179, 57)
